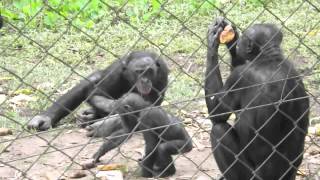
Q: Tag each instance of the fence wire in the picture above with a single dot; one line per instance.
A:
(40, 63)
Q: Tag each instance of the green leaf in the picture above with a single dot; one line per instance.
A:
(51, 19)
(155, 5)
(8, 14)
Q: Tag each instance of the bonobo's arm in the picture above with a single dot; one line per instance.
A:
(232, 46)
(103, 104)
(73, 98)
(217, 99)
(160, 85)
(113, 141)
(213, 80)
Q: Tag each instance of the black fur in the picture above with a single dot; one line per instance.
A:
(163, 133)
(270, 103)
(140, 72)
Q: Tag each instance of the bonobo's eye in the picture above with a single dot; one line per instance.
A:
(139, 71)
(127, 107)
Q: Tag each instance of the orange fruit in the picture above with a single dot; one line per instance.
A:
(227, 34)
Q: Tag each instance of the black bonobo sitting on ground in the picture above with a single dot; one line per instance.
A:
(163, 133)
(270, 102)
(142, 72)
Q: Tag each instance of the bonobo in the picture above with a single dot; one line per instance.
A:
(269, 100)
(163, 133)
(1, 21)
(141, 72)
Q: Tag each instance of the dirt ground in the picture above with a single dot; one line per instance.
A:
(72, 148)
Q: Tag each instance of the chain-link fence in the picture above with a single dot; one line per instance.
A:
(47, 47)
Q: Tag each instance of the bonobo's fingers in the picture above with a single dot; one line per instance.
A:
(40, 122)
(215, 29)
(86, 117)
(88, 164)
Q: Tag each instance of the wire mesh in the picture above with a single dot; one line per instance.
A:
(39, 63)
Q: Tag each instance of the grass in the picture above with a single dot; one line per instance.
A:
(54, 60)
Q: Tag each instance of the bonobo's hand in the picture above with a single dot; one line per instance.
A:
(214, 31)
(86, 117)
(40, 122)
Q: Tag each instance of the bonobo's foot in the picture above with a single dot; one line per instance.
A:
(86, 117)
(214, 31)
(144, 172)
(164, 171)
(104, 127)
(88, 164)
(40, 122)
(96, 157)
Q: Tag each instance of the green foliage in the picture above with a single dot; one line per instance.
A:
(84, 13)
(54, 13)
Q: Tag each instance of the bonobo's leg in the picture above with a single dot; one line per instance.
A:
(111, 142)
(104, 127)
(225, 146)
(164, 165)
(66, 103)
(148, 160)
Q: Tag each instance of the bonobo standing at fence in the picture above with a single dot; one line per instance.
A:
(141, 72)
(163, 133)
(269, 100)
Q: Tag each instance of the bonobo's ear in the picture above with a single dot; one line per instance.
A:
(124, 65)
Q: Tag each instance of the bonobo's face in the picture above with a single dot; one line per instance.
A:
(142, 72)
(257, 39)
(131, 102)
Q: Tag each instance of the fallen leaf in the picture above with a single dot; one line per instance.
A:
(315, 130)
(77, 174)
(4, 79)
(5, 131)
(313, 32)
(314, 152)
(165, 103)
(21, 99)
(110, 175)
(23, 91)
(2, 98)
(109, 167)
(301, 172)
